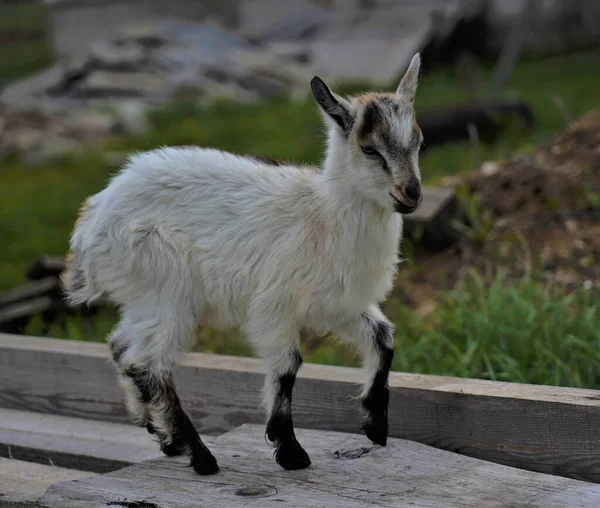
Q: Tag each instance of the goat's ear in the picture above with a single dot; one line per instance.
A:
(408, 86)
(334, 107)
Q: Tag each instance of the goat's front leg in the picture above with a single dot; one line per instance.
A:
(373, 331)
(279, 348)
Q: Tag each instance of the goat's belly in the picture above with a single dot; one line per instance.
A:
(325, 311)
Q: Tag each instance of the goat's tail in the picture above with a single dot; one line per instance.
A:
(78, 288)
(77, 282)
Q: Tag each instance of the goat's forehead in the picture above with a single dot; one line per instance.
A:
(387, 118)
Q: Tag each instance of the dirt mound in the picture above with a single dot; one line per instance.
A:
(539, 211)
(560, 175)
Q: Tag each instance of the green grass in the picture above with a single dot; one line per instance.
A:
(24, 46)
(524, 333)
(521, 332)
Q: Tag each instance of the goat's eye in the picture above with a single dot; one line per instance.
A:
(368, 150)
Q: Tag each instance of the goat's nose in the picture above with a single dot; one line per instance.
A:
(413, 190)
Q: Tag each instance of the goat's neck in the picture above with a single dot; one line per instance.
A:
(359, 218)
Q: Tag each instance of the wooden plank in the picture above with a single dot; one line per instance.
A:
(540, 428)
(46, 266)
(22, 483)
(36, 289)
(24, 309)
(344, 472)
(86, 445)
(434, 200)
(431, 225)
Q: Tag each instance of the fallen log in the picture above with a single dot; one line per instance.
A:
(489, 118)
(48, 287)
(15, 317)
(46, 266)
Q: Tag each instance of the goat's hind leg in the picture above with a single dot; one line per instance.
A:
(145, 370)
(137, 396)
(135, 400)
(172, 425)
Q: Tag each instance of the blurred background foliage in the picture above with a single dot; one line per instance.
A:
(489, 326)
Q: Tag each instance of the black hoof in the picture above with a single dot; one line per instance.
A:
(171, 449)
(376, 429)
(290, 455)
(205, 464)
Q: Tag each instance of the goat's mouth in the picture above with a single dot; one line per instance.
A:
(405, 208)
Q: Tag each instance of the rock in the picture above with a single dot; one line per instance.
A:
(91, 123)
(228, 91)
(26, 139)
(48, 149)
(76, 66)
(571, 226)
(267, 20)
(175, 58)
(132, 116)
(117, 56)
(489, 168)
(193, 46)
(123, 84)
(375, 46)
(289, 50)
(148, 34)
(23, 93)
(254, 65)
(201, 35)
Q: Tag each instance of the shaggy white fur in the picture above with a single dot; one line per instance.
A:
(183, 236)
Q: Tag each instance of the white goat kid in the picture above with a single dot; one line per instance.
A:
(188, 236)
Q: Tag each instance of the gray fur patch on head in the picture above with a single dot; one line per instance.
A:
(388, 124)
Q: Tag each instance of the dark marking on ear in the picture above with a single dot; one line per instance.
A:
(324, 98)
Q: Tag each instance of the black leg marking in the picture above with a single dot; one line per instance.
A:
(160, 395)
(185, 436)
(377, 399)
(289, 454)
(117, 351)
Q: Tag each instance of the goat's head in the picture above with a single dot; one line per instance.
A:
(379, 139)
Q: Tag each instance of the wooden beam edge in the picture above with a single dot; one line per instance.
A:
(398, 380)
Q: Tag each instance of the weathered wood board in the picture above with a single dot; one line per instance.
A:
(22, 483)
(541, 428)
(346, 471)
(65, 441)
